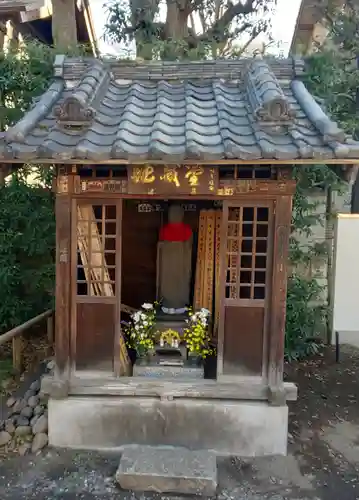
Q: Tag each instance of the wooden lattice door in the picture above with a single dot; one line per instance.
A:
(246, 270)
(97, 266)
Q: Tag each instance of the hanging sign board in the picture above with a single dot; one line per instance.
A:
(172, 180)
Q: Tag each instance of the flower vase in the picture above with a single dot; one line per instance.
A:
(210, 362)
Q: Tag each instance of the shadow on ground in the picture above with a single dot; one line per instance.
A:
(322, 463)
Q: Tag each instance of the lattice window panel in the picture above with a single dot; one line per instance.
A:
(247, 252)
(246, 172)
(103, 171)
(96, 250)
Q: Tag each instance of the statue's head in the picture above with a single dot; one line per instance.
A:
(175, 213)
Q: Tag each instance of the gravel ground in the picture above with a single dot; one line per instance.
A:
(322, 463)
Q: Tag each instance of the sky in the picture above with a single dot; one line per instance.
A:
(283, 25)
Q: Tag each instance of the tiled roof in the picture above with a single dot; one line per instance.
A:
(251, 113)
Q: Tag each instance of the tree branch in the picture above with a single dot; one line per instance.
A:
(248, 42)
(225, 20)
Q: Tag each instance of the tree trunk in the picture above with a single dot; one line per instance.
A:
(176, 28)
(64, 27)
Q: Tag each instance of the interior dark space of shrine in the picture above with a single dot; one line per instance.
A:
(123, 255)
(142, 221)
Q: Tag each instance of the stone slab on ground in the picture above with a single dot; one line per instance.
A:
(168, 470)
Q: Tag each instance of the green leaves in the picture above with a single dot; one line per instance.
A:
(27, 220)
(27, 250)
(175, 33)
(333, 77)
(306, 316)
(24, 75)
(332, 70)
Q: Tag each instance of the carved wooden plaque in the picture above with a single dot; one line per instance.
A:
(172, 180)
(62, 184)
(101, 185)
(244, 186)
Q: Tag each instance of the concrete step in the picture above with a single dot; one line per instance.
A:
(168, 470)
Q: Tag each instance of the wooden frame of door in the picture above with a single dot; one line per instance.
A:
(101, 299)
(241, 202)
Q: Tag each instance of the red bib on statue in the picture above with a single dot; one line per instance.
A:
(175, 232)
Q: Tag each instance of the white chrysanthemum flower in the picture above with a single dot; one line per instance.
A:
(145, 323)
(147, 306)
(137, 327)
(143, 316)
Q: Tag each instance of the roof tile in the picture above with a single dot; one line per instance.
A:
(252, 115)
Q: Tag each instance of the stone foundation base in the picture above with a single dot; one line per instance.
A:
(227, 427)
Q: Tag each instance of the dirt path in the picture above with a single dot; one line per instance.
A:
(322, 463)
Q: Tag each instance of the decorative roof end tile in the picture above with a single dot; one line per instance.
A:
(251, 118)
(73, 114)
(269, 103)
(78, 110)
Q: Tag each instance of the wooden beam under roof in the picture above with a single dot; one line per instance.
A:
(33, 10)
(37, 11)
(310, 25)
(10, 6)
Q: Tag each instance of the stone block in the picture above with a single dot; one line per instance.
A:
(242, 428)
(168, 470)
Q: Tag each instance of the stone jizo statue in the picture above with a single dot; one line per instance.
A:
(174, 260)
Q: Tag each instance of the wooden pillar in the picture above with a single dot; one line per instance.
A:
(2, 176)
(63, 274)
(64, 28)
(5, 170)
(282, 228)
(2, 35)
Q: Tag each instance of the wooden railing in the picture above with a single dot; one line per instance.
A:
(16, 336)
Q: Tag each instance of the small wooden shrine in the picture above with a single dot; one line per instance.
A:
(174, 185)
